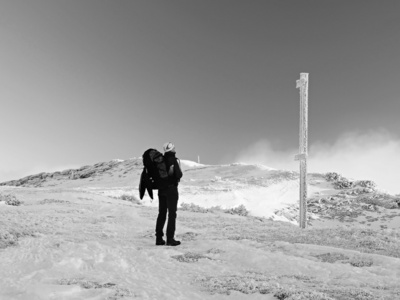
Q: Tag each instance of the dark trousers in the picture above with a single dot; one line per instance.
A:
(168, 201)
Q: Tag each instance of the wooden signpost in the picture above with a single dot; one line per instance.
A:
(302, 84)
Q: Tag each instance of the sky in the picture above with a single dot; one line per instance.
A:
(89, 81)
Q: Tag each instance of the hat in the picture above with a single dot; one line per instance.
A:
(169, 147)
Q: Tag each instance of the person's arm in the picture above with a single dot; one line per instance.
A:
(177, 169)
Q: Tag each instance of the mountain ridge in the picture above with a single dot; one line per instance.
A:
(263, 191)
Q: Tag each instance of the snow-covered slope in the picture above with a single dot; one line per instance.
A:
(261, 189)
(188, 164)
(264, 191)
(83, 234)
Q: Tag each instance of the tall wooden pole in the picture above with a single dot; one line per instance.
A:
(302, 84)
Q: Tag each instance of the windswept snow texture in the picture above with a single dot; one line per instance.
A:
(84, 234)
(187, 164)
(264, 191)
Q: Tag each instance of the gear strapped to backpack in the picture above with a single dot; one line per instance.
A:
(154, 175)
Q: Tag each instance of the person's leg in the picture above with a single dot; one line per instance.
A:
(162, 214)
(172, 203)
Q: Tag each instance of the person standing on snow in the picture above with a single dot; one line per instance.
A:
(168, 198)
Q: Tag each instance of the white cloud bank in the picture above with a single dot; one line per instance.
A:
(373, 155)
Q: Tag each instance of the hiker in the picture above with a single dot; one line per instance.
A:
(168, 198)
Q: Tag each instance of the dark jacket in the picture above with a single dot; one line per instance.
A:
(173, 168)
(145, 185)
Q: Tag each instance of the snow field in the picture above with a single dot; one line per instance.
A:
(86, 242)
(83, 245)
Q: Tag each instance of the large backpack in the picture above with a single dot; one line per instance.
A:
(155, 168)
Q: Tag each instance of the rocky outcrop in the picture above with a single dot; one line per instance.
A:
(345, 205)
(10, 200)
(84, 172)
(340, 182)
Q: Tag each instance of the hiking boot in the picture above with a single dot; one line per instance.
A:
(160, 241)
(172, 242)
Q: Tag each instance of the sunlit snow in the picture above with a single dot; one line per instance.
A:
(79, 239)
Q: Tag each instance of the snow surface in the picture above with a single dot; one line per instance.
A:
(261, 166)
(76, 239)
(88, 246)
(186, 164)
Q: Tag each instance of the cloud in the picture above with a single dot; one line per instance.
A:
(262, 152)
(373, 155)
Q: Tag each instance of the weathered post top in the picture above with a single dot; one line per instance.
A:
(302, 84)
(302, 81)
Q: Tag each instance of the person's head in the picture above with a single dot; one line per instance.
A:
(169, 147)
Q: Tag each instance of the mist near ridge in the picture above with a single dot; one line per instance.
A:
(372, 155)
